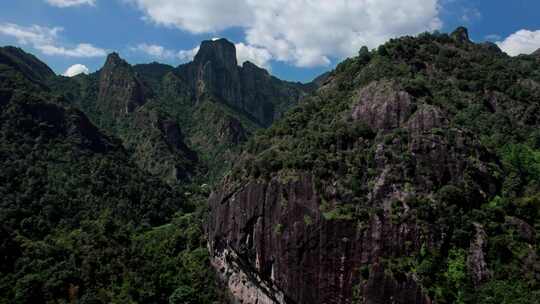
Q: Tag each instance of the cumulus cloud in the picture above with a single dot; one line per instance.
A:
(68, 3)
(521, 42)
(80, 51)
(154, 50)
(326, 30)
(160, 52)
(258, 56)
(187, 55)
(196, 16)
(75, 70)
(34, 34)
(46, 39)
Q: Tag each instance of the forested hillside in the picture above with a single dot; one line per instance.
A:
(410, 176)
(80, 221)
(105, 176)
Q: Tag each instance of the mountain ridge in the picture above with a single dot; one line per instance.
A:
(80, 220)
(395, 182)
(125, 100)
(408, 174)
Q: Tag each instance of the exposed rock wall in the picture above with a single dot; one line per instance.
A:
(215, 73)
(120, 91)
(280, 230)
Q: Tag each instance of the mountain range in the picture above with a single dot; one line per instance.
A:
(408, 174)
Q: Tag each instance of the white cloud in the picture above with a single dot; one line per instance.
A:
(258, 56)
(34, 34)
(81, 51)
(68, 3)
(196, 16)
(75, 70)
(153, 50)
(187, 55)
(521, 42)
(302, 32)
(46, 39)
(160, 52)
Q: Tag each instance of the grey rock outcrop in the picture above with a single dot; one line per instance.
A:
(283, 235)
(476, 260)
(382, 105)
(120, 91)
(214, 73)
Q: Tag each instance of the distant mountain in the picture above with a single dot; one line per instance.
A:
(249, 89)
(211, 104)
(412, 175)
(409, 174)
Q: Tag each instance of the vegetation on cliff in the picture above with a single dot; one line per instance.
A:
(433, 135)
(411, 175)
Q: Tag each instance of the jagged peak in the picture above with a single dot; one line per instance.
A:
(114, 59)
(460, 34)
(536, 53)
(219, 51)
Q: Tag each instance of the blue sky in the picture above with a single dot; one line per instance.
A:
(295, 39)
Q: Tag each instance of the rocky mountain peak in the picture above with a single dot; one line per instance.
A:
(536, 53)
(221, 52)
(120, 90)
(461, 34)
(114, 60)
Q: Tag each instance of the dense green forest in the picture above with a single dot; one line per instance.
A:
(105, 178)
(466, 105)
(80, 222)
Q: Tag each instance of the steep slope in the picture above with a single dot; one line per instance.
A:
(152, 73)
(250, 89)
(410, 176)
(222, 104)
(115, 99)
(31, 67)
(80, 222)
(120, 90)
(211, 104)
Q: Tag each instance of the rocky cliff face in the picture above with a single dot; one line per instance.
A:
(120, 91)
(214, 103)
(215, 73)
(116, 99)
(388, 196)
(280, 229)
